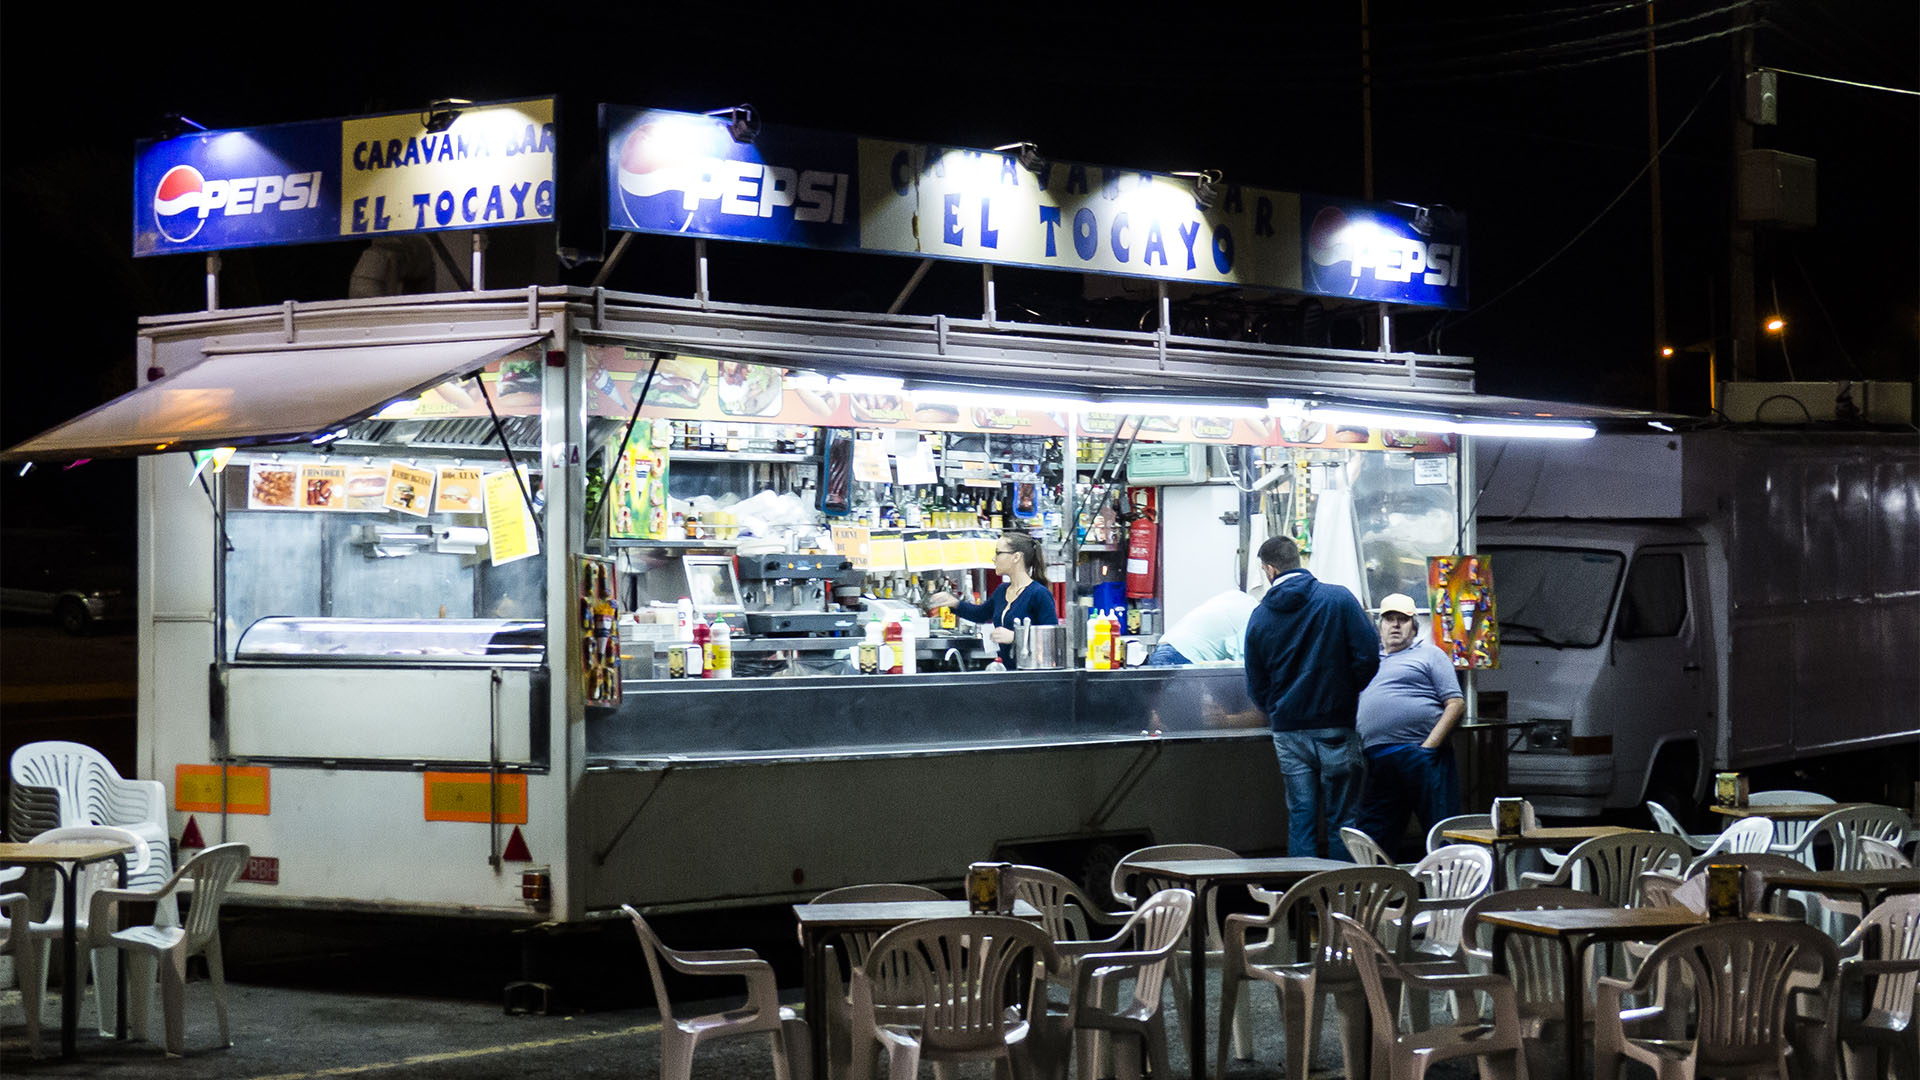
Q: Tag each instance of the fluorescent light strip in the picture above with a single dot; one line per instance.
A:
(1496, 429)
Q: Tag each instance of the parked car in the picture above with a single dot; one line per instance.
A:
(81, 579)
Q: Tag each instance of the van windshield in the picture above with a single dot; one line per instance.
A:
(1554, 596)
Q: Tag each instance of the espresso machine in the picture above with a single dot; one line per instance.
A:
(790, 594)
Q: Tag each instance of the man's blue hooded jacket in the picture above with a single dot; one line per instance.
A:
(1310, 651)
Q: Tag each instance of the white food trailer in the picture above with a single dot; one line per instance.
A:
(374, 641)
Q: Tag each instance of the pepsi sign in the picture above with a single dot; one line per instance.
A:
(245, 188)
(1390, 252)
(683, 173)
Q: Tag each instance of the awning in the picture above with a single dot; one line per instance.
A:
(289, 394)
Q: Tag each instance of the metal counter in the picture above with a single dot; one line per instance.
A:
(678, 722)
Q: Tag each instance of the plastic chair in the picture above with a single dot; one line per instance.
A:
(1741, 976)
(32, 939)
(1127, 882)
(1610, 866)
(1536, 966)
(1843, 830)
(1748, 836)
(209, 875)
(1140, 949)
(1436, 841)
(762, 1013)
(1450, 879)
(1066, 913)
(1664, 821)
(1887, 967)
(14, 914)
(1788, 832)
(855, 944)
(1878, 854)
(1362, 847)
(1370, 895)
(954, 974)
(62, 784)
(1408, 1054)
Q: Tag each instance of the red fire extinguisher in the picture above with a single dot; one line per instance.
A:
(1143, 550)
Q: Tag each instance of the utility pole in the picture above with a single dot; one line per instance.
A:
(1743, 361)
(1660, 342)
(1366, 105)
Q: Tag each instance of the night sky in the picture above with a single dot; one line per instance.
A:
(1531, 118)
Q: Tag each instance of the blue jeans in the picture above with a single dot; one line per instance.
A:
(1402, 779)
(1165, 655)
(1322, 770)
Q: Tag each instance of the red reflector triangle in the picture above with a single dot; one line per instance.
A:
(516, 848)
(190, 836)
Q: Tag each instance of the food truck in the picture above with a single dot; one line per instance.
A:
(533, 602)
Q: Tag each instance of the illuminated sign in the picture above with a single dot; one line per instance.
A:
(344, 179)
(684, 174)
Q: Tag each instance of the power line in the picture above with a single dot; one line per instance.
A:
(1535, 69)
(1604, 211)
(1843, 82)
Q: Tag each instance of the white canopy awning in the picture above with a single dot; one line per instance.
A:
(246, 398)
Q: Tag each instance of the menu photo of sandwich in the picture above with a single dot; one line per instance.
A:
(680, 382)
(323, 487)
(409, 490)
(366, 487)
(272, 486)
(457, 490)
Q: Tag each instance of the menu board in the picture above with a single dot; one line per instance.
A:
(511, 535)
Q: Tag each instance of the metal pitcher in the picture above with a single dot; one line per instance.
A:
(1039, 646)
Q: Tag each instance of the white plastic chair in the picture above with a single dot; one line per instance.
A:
(1788, 832)
(1536, 965)
(1741, 976)
(955, 974)
(32, 939)
(1451, 878)
(1748, 836)
(1368, 894)
(67, 784)
(1664, 821)
(1886, 964)
(1610, 866)
(762, 1014)
(1140, 950)
(1843, 829)
(209, 874)
(14, 914)
(855, 944)
(1364, 850)
(1878, 854)
(1128, 882)
(1435, 839)
(1408, 1054)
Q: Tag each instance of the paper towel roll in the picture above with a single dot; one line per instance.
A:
(461, 540)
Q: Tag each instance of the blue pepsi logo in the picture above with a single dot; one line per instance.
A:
(179, 203)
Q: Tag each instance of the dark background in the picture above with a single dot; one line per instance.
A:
(1530, 118)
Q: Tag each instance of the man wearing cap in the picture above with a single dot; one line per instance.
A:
(1406, 714)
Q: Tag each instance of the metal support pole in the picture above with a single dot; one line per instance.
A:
(700, 271)
(479, 262)
(919, 274)
(213, 281)
(1165, 311)
(986, 292)
(613, 260)
(1386, 329)
(1469, 542)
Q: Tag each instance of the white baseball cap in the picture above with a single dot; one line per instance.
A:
(1399, 603)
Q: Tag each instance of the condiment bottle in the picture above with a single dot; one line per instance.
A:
(720, 650)
(703, 646)
(894, 636)
(685, 618)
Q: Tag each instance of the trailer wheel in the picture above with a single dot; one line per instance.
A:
(1096, 872)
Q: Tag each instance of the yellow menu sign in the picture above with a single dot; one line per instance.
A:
(409, 490)
(511, 534)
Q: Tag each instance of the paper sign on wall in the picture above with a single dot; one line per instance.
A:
(457, 490)
(870, 464)
(1460, 593)
(409, 490)
(511, 534)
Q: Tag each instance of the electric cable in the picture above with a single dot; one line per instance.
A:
(1604, 211)
(1537, 69)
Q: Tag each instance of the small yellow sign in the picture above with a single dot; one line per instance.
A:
(197, 789)
(886, 554)
(409, 490)
(926, 554)
(452, 796)
(510, 531)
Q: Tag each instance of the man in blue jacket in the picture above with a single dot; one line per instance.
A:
(1310, 651)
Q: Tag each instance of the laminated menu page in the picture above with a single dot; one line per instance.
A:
(457, 490)
(511, 533)
(409, 490)
(323, 487)
(272, 486)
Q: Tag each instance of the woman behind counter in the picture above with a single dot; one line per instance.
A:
(1023, 595)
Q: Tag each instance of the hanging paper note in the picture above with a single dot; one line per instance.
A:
(409, 490)
(457, 490)
(915, 462)
(870, 464)
(511, 534)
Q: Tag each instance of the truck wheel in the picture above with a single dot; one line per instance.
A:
(1096, 873)
(73, 618)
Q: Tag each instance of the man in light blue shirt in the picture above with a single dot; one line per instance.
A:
(1405, 716)
(1216, 630)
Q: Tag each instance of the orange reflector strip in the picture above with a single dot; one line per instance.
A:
(458, 796)
(197, 789)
